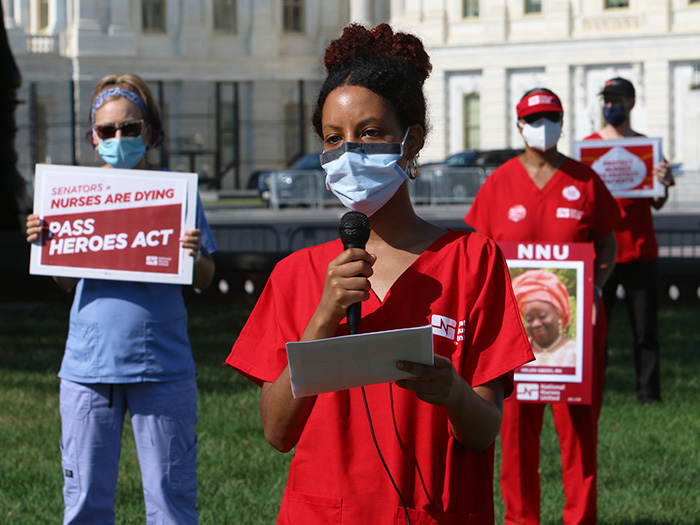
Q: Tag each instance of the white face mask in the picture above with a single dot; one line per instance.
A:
(542, 134)
(364, 176)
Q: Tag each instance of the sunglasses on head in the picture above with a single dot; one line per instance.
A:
(552, 116)
(128, 129)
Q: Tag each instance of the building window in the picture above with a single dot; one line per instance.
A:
(613, 4)
(695, 78)
(533, 6)
(225, 16)
(42, 16)
(153, 16)
(293, 127)
(470, 8)
(472, 120)
(293, 15)
(228, 133)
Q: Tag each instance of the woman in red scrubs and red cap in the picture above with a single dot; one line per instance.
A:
(544, 196)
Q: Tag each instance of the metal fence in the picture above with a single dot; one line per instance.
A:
(219, 130)
(434, 186)
(685, 195)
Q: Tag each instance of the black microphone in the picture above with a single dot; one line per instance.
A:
(354, 231)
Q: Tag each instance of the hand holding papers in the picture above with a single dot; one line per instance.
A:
(339, 363)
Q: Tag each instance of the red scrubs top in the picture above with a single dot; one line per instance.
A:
(461, 286)
(636, 240)
(574, 206)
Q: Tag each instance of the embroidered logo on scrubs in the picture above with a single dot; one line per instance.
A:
(571, 193)
(517, 213)
(528, 391)
(444, 326)
(569, 213)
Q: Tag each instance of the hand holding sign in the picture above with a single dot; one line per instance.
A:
(114, 224)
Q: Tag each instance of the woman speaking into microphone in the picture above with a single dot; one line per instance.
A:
(436, 431)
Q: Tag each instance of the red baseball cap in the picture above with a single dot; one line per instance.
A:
(539, 102)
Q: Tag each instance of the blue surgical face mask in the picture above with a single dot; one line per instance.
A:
(364, 176)
(614, 115)
(122, 152)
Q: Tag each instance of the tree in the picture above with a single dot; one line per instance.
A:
(12, 185)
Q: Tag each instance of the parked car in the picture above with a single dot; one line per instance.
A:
(476, 158)
(288, 176)
(457, 179)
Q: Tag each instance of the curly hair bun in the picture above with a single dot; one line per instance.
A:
(358, 40)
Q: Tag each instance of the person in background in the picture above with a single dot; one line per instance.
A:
(637, 252)
(544, 305)
(128, 349)
(544, 196)
(436, 431)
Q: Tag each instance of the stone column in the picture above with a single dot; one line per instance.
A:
(265, 29)
(494, 15)
(193, 36)
(559, 80)
(360, 13)
(658, 96)
(494, 102)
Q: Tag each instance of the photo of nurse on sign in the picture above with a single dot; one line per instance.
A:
(553, 289)
(547, 299)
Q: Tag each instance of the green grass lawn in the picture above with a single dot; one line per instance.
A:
(649, 456)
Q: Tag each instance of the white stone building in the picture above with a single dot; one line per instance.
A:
(485, 54)
(266, 47)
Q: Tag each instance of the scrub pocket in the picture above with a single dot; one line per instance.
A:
(71, 477)
(310, 508)
(183, 471)
(75, 404)
(80, 357)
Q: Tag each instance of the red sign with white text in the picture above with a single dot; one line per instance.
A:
(624, 165)
(115, 240)
(553, 287)
(113, 224)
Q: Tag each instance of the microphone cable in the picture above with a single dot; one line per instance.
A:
(354, 230)
(381, 457)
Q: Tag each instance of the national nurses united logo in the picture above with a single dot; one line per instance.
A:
(448, 328)
(571, 193)
(517, 213)
(527, 391)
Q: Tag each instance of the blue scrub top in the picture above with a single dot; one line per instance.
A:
(129, 332)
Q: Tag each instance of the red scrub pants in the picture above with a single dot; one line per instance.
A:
(577, 427)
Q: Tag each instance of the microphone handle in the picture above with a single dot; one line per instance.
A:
(354, 311)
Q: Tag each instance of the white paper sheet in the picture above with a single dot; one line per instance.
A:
(339, 363)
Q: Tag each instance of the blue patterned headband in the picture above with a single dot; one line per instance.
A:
(117, 91)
